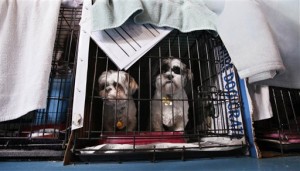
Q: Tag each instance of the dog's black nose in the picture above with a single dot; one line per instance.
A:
(170, 76)
(108, 89)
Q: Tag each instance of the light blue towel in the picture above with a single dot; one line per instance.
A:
(184, 15)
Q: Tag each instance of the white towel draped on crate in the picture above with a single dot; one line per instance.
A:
(27, 35)
(262, 38)
(284, 20)
(249, 41)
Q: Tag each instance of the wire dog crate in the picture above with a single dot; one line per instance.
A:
(215, 124)
(43, 133)
(281, 132)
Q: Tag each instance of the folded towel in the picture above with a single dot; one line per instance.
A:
(247, 36)
(27, 35)
(71, 3)
(184, 15)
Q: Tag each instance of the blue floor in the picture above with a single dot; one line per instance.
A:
(230, 164)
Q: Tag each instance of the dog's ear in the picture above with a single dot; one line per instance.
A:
(188, 81)
(133, 86)
(189, 74)
(102, 77)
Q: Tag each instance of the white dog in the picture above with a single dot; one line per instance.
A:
(116, 90)
(170, 102)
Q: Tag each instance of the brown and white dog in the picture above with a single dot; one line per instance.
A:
(116, 89)
(170, 102)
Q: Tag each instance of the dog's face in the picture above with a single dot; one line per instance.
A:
(116, 85)
(173, 76)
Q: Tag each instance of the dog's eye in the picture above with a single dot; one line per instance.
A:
(165, 68)
(101, 86)
(118, 86)
(176, 70)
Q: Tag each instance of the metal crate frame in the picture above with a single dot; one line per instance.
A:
(85, 95)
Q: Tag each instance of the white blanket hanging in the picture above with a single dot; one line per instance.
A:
(27, 35)
(245, 32)
(263, 39)
(284, 20)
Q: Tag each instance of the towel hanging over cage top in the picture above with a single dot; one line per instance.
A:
(186, 16)
(262, 38)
